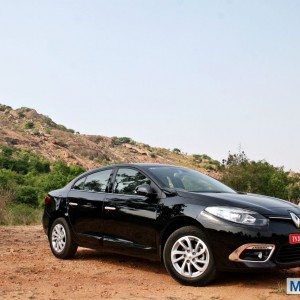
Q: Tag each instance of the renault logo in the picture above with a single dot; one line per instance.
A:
(295, 219)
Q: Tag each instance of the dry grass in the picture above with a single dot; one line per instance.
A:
(279, 289)
(5, 197)
(17, 214)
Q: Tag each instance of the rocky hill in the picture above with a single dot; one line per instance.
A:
(25, 128)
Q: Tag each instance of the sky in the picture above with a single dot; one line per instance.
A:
(202, 76)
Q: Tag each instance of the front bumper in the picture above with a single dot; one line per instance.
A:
(226, 238)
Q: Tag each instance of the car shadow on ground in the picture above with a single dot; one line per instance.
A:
(121, 260)
(274, 279)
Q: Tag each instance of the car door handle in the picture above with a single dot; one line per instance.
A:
(109, 208)
(88, 205)
(73, 203)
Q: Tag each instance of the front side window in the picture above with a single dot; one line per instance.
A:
(97, 182)
(127, 180)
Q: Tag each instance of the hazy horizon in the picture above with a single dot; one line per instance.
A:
(202, 76)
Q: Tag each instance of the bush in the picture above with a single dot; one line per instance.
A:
(63, 128)
(22, 161)
(36, 132)
(197, 158)
(27, 195)
(200, 157)
(31, 178)
(176, 150)
(47, 130)
(8, 179)
(29, 125)
(21, 114)
(5, 107)
(117, 141)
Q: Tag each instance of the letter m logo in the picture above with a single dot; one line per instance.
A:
(293, 286)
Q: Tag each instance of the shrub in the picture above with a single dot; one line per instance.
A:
(21, 114)
(47, 130)
(27, 195)
(5, 107)
(36, 132)
(30, 177)
(8, 179)
(147, 146)
(197, 158)
(116, 141)
(176, 150)
(60, 143)
(200, 157)
(22, 161)
(25, 109)
(29, 125)
(64, 128)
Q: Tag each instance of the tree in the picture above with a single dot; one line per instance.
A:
(255, 177)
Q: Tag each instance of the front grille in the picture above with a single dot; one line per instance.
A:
(288, 254)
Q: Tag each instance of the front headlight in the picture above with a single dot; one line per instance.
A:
(237, 215)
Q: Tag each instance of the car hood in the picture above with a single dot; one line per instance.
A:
(268, 206)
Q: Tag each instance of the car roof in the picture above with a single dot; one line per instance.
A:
(139, 165)
(142, 166)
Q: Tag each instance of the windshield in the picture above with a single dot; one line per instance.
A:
(188, 180)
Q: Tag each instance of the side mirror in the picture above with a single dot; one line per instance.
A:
(144, 190)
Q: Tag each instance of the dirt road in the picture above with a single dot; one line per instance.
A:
(28, 270)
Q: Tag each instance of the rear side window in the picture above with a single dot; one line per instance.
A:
(79, 184)
(97, 182)
(127, 180)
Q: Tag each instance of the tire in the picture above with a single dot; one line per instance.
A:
(60, 239)
(193, 263)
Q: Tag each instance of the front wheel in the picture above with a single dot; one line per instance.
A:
(60, 238)
(188, 257)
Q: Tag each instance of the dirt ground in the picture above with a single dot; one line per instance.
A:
(28, 270)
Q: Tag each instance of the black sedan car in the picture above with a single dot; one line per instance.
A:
(196, 225)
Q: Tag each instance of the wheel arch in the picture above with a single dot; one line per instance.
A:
(55, 215)
(172, 226)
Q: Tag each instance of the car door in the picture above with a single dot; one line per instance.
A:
(85, 204)
(129, 219)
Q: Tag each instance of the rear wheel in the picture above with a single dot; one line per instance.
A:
(188, 257)
(60, 239)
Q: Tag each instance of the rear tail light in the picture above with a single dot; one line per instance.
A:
(48, 200)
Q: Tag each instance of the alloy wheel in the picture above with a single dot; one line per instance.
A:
(58, 238)
(190, 256)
